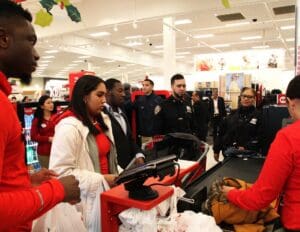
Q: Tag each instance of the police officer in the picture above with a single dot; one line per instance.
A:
(145, 106)
(175, 113)
(242, 129)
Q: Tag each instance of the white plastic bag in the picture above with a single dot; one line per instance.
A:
(62, 218)
(136, 220)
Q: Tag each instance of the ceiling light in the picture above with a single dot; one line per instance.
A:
(43, 65)
(147, 40)
(45, 61)
(100, 34)
(84, 57)
(183, 53)
(287, 27)
(115, 27)
(187, 38)
(203, 36)
(70, 65)
(159, 46)
(221, 45)
(51, 51)
(109, 61)
(134, 37)
(180, 57)
(261, 47)
(182, 21)
(157, 51)
(134, 24)
(134, 43)
(251, 37)
(77, 61)
(47, 57)
(236, 24)
(290, 40)
(108, 43)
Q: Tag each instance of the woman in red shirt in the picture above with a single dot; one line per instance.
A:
(281, 171)
(42, 129)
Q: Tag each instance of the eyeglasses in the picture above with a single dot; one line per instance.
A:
(247, 96)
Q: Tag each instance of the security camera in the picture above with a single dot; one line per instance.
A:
(254, 20)
(150, 44)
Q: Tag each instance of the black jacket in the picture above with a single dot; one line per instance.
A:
(221, 107)
(201, 119)
(241, 128)
(125, 145)
(144, 107)
(173, 115)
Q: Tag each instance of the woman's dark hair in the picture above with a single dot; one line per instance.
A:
(293, 89)
(82, 88)
(39, 113)
(248, 88)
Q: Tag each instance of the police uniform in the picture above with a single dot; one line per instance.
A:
(145, 107)
(240, 129)
(173, 115)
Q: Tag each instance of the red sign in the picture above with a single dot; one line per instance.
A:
(74, 76)
(281, 99)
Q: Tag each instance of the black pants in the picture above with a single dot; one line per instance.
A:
(215, 122)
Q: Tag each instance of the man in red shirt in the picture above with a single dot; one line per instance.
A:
(20, 202)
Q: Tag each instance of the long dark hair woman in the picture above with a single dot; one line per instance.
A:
(42, 129)
(83, 144)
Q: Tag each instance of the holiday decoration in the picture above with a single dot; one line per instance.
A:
(226, 3)
(44, 17)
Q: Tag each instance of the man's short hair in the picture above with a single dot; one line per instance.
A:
(150, 81)
(10, 9)
(110, 83)
(292, 91)
(175, 77)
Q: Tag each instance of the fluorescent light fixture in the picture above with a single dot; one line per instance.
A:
(290, 40)
(261, 47)
(109, 61)
(251, 37)
(134, 43)
(157, 51)
(183, 53)
(70, 65)
(100, 34)
(203, 36)
(47, 57)
(115, 27)
(51, 51)
(134, 37)
(43, 65)
(77, 61)
(236, 24)
(84, 57)
(220, 45)
(130, 64)
(45, 61)
(290, 27)
(182, 21)
(180, 57)
(159, 46)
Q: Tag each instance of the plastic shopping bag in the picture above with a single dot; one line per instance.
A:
(62, 218)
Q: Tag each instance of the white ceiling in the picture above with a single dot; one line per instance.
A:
(72, 41)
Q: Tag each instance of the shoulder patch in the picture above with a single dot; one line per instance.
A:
(188, 109)
(157, 109)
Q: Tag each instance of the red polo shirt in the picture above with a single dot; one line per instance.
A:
(19, 202)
